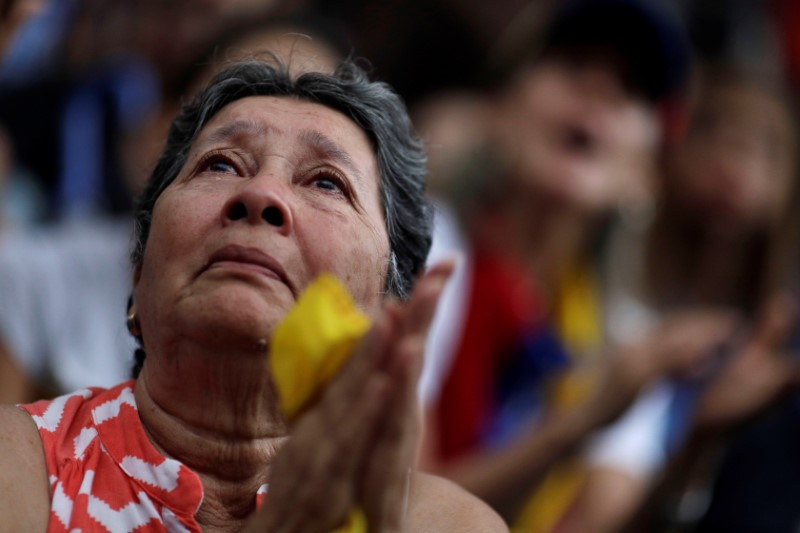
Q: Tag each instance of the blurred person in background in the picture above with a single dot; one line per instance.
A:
(725, 233)
(78, 259)
(80, 78)
(13, 14)
(453, 125)
(721, 260)
(21, 200)
(572, 135)
(72, 102)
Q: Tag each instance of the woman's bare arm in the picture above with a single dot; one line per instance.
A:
(438, 505)
(15, 385)
(24, 491)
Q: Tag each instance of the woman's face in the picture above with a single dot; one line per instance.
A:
(575, 134)
(274, 192)
(734, 167)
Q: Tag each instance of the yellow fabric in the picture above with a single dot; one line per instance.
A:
(573, 387)
(313, 342)
(554, 495)
(577, 317)
(309, 346)
(577, 311)
(356, 523)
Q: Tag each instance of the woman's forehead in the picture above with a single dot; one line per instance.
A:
(260, 115)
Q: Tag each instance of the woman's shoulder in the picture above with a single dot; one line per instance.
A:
(438, 505)
(24, 489)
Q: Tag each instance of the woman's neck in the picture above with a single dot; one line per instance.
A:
(217, 414)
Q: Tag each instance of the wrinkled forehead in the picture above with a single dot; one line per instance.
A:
(312, 123)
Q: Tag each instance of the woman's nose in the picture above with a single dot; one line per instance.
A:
(257, 203)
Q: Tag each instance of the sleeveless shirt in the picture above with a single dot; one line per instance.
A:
(105, 474)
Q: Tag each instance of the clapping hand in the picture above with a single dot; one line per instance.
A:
(758, 374)
(353, 449)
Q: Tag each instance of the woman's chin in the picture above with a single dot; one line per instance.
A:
(232, 318)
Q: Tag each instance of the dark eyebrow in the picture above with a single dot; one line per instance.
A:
(327, 148)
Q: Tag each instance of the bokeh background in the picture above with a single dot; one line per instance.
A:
(114, 64)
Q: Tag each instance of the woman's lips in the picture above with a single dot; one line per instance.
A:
(249, 259)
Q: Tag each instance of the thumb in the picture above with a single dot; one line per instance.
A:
(421, 307)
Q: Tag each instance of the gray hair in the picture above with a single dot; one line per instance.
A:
(372, 105)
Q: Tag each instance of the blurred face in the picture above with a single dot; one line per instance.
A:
(274, 192)
(453, 125)
(574, 134)
(734, 168)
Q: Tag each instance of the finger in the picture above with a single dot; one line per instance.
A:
(366, 357)
(393, 451)
(421, 307)
(352, 405)
(316, 473)
(414, 317)
(347, 415)
(353, 428)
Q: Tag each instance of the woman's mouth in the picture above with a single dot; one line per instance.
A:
(249, 259)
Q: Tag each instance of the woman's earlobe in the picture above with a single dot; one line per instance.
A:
(133, 324)
(132, 321)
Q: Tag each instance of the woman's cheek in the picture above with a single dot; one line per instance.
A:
(357, 256)
(186, 214)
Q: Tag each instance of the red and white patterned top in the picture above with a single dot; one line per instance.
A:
(105, 474)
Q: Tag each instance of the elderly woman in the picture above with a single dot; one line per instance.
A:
(266, 182)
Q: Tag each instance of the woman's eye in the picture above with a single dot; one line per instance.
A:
(219, 165)
(327, 184)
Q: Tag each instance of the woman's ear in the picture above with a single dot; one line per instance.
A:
(133, 320)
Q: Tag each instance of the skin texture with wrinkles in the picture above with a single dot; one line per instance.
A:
(324, 230)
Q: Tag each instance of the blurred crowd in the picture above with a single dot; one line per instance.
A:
(618, 348)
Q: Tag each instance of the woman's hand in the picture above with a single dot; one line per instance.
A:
(355, 446)
(758, 374)
(683, 345)
(394, 448)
